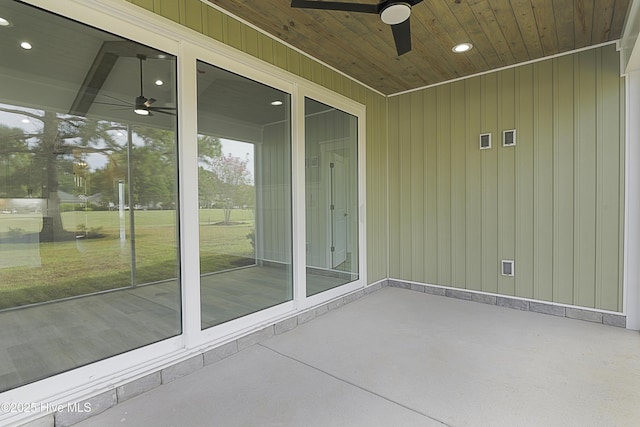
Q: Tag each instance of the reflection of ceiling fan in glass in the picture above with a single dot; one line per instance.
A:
(142, 105)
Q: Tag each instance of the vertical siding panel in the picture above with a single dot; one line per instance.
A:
(305, 67)
(417, 187)
(374, 231)
(316, 72)
(490, 265)
(170, 9)
(336, 82)
(146, 4)
(458, 185)
(192, 11)
(404, 145)
(622, 189)
(382, 173)
(293, 61)
(430, 131)
(232, 32)
(327, 78)
(524, 182)
(265, 45)
(212, 26)
(585, 169)
(349, 88)
(609, 147)
(563, 252)
(543, 187)
(394, 188)
(250, 41)
(506, 183)
(474, 186)
(444, 185)
(280, 56)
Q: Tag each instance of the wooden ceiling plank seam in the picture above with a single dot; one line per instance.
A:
(430, 49)
(583, 21)
(526, 22)
(439, 21)
(545, 20)
(465, 17)
(256, 17)
(333, 52)
(602, 22)
(563, 15)
(505, 16)
(620, 13)
(487, 19)
(373, 67)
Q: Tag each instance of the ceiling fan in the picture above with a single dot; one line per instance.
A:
(392, 12)
(142, 104)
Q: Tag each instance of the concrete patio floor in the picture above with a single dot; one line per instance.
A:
(402, 358)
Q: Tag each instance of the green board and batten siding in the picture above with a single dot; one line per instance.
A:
(553, 203)
(209, 21)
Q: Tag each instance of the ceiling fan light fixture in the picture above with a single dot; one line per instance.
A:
(141, 111)
(395, 13)
(462, 47)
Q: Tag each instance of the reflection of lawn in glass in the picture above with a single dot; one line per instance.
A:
(83, 266)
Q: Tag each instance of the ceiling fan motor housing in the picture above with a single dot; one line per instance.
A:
(395, 13)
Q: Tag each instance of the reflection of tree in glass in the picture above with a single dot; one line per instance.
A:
(233, 178)
(50, 149)
(223, 181)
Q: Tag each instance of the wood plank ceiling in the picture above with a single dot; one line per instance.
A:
(503, 32)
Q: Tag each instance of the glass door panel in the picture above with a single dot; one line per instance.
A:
(331, 182)
(244, 155)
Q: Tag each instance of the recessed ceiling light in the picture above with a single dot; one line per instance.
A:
(4, 22)
(276, 103)
(26, 45)
(462, 47)
(25, 121)
(159, 82)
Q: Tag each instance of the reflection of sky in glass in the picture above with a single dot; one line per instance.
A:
(31, 125)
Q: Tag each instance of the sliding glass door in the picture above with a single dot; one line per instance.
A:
(331, 187)
(244, 149)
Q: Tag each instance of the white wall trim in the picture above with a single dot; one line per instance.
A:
(507, 67)
(631, 290)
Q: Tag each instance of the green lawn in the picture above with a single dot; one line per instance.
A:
(32, 272)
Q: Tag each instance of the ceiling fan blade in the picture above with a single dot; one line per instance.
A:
(335, 5)
(117, 99)
(402, 36)
(163, 108)
(155, 110)
(113, 103)
(149, 101)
